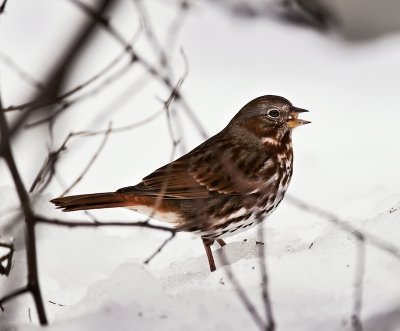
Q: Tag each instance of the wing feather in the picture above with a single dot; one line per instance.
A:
(202, 174)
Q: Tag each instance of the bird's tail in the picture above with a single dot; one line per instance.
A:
(93, 201)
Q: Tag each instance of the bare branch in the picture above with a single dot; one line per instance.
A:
(3, 7)
(31, 255)
(75, 224)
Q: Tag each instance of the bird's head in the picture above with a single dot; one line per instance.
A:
(269, 115)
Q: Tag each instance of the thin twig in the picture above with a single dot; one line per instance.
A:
(91, 216)
(12, 295)
(264, 283)
(167, 105)
(151, 36)
(160, 248)
(359, 284)
(46, 172)
(90, 163)
(176, 26)
(251, 309)
(24, 75)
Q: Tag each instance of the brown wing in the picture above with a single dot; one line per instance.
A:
(215, 168)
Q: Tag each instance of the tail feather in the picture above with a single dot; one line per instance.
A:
(92, 201)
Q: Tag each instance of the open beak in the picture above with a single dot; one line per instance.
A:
(293, 120)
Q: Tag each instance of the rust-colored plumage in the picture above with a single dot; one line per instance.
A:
(228, 184)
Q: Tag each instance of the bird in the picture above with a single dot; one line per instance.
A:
(229, 183)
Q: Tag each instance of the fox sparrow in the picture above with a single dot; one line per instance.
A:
(229, 183)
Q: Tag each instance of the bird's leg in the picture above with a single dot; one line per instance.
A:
(221, 242)
(207, 246)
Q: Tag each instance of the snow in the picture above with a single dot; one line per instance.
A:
(346, 161)
(100, 279)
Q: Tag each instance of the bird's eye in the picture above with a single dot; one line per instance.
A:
(274, 113)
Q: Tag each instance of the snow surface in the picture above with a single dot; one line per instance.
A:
(346, 161)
